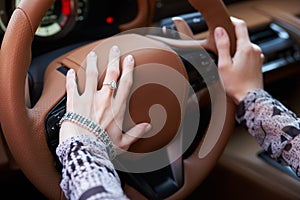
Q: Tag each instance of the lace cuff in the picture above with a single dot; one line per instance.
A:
(87, 170)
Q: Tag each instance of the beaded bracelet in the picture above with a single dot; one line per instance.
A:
(93, 127)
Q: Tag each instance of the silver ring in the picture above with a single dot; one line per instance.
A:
(112, 85)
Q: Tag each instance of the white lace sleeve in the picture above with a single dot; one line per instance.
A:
(276, 128)
(87, 171)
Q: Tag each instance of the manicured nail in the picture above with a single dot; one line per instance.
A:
(219, 32)
(92, 54)
(115, 49)
(71, 71)
(129, 58)
(148, 127)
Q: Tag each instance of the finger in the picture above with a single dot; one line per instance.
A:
(223, 47)
(103, 96)
(258, 50)
(125, 84)
(91, 78)
(262, 57)
(71, 87)
(241, 32)
(134, 134)
(113, 71)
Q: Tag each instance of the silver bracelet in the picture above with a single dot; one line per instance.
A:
(93, 127)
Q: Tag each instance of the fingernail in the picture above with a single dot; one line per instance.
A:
(71, 71)
(148, 127)
(115, 49)
(92, 54)
(130, 58)
(219, 32)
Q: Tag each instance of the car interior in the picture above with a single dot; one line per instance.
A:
(41, 40)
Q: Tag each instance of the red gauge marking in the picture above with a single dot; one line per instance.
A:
(66, 7)
(110, 20)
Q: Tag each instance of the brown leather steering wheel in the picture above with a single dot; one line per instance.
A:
(24, 128)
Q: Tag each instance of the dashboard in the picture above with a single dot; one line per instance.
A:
(74, 21)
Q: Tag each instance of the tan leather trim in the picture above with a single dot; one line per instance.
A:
(183, 28)
(284, 19)
(247, 10)
(280, 15)
(215, 15)
(74, 58)
(22, 133)
(144, 16)
(34, 11)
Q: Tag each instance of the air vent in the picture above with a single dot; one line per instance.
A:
(262, 35)
(277, 46)
(195, 20)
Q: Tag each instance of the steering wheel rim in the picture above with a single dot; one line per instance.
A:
(26, 139)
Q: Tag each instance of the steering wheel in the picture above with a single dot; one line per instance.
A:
(24, 128)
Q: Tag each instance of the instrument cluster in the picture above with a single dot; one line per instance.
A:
(73, 21)
(58, 20)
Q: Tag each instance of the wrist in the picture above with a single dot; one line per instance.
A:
(82, 123)
(238, 97)
(69, 129)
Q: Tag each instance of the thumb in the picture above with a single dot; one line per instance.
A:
(223, 47)
(134, 134)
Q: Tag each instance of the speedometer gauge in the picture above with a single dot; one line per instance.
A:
(4, 13)
(57, 22)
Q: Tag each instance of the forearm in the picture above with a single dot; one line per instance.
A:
(274, 126)
(87, 170)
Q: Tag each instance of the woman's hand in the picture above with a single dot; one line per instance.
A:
(243, 72)
(105, 106)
